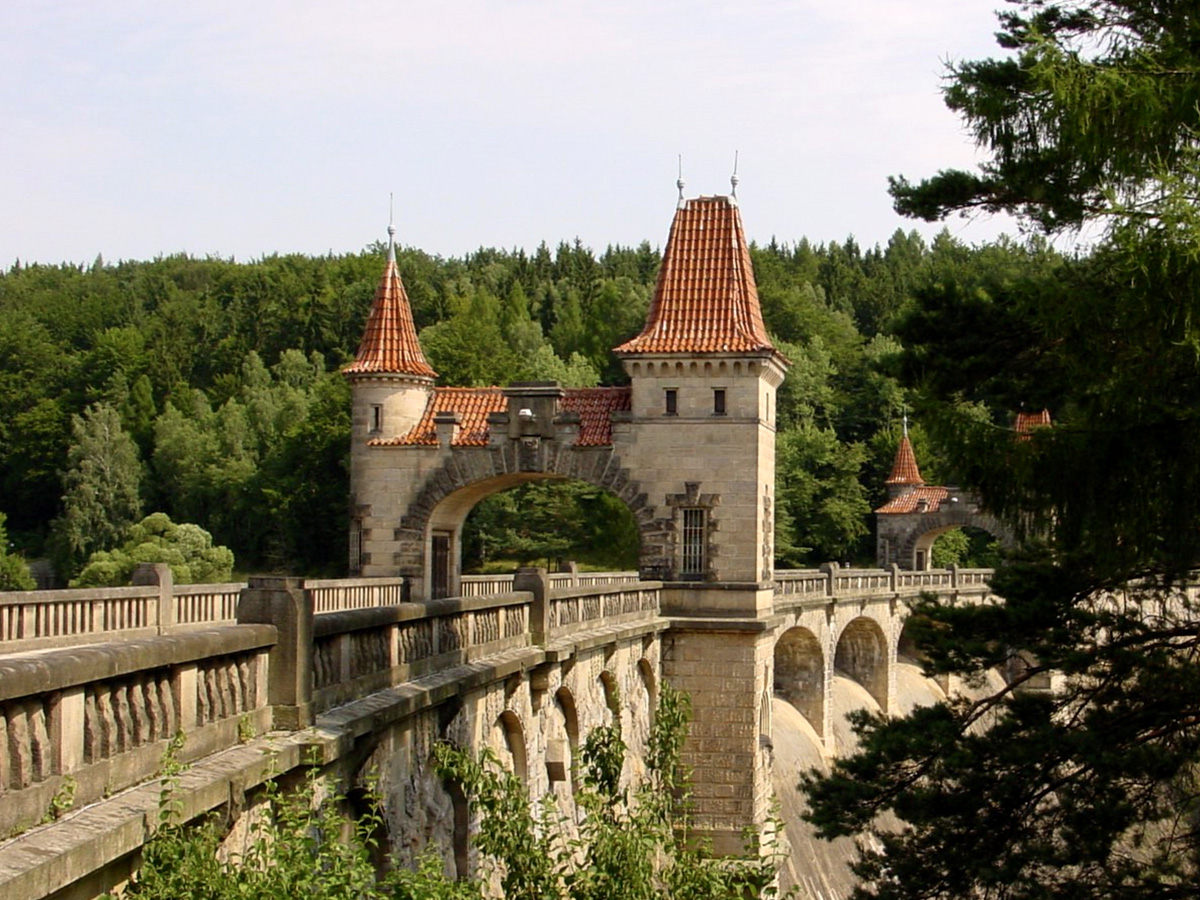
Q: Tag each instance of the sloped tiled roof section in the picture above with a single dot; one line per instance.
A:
(904, 469)
(705, 300)
(1026, 422)
(910, 501)
(389, 343)
(595, 407)
(473, 406)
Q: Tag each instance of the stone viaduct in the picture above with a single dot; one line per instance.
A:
(266, 677)
(363, 676)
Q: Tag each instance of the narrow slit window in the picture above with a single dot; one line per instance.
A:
(377, 417)
(671, 401)
(718, 401)
(356, 546)
(693, 543)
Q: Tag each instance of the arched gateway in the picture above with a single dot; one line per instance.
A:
(917, 513)
(688, 445)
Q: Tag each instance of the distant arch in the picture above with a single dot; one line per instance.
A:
(800, 675)
(862, 654)
(907, 538)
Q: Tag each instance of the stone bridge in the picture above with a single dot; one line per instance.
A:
(264, 677)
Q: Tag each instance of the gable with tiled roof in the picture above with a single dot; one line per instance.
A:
(389, 344)
(706, 300)
(472, 406)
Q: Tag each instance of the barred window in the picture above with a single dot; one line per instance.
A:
(356, 546)
(719, 401)
(671, 400)
(693, 543)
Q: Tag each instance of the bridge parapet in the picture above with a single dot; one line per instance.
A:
(357, 652)
(31, 620)
(88, 721)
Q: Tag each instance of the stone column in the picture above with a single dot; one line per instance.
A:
(159, 574)
(724, 666)
(535, 580)
(284, 603)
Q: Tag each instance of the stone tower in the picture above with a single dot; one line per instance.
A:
(704, 375)
(390, 386)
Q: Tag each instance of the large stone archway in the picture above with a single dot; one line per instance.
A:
(469, 474)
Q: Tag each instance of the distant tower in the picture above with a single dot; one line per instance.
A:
(390, 386)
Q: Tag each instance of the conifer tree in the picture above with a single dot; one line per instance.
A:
(1078, 779)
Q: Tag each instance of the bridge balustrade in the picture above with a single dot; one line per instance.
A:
(356, 652)
(102, 715)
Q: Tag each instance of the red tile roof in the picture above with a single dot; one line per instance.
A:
(706, 300)
(1026, 422)
(909, 501)
(904, 469)
(594, 406)
(389, 344)
(473, 405)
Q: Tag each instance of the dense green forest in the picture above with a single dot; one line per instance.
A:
(209, 390)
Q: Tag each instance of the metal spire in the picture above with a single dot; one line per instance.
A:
(391, 231)
(733, 179)
(679, 183)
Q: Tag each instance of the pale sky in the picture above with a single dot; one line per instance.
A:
(240, 128)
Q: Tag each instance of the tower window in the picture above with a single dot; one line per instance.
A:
(718, 401)
(693, 543)
(376, 417)
(671, 400)
(356, 546)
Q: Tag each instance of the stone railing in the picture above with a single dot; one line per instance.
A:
(487, 585)
(359, 651)
(83, 722)
(341, 594)
(832, 581)
(589, 606)
(31, 620)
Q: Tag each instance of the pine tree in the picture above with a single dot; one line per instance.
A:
(1078, 779)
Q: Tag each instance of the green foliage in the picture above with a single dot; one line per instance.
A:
(103, 481)
(550, 522)
(188, 549)
(14, 574)
(297, 846)
(633, 841)
(1086, 791)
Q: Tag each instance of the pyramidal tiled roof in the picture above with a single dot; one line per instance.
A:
(595, 407)
(904, 469)
(389, 343)
(910, 501)
(706, 300)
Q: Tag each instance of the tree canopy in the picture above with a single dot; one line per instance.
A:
(1079, 778)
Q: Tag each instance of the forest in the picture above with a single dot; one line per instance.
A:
(207, 392)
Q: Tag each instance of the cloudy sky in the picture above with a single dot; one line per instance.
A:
(246, 127)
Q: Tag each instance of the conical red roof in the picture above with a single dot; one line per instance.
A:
(706, 300)
(389, 343)
(904, 469)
